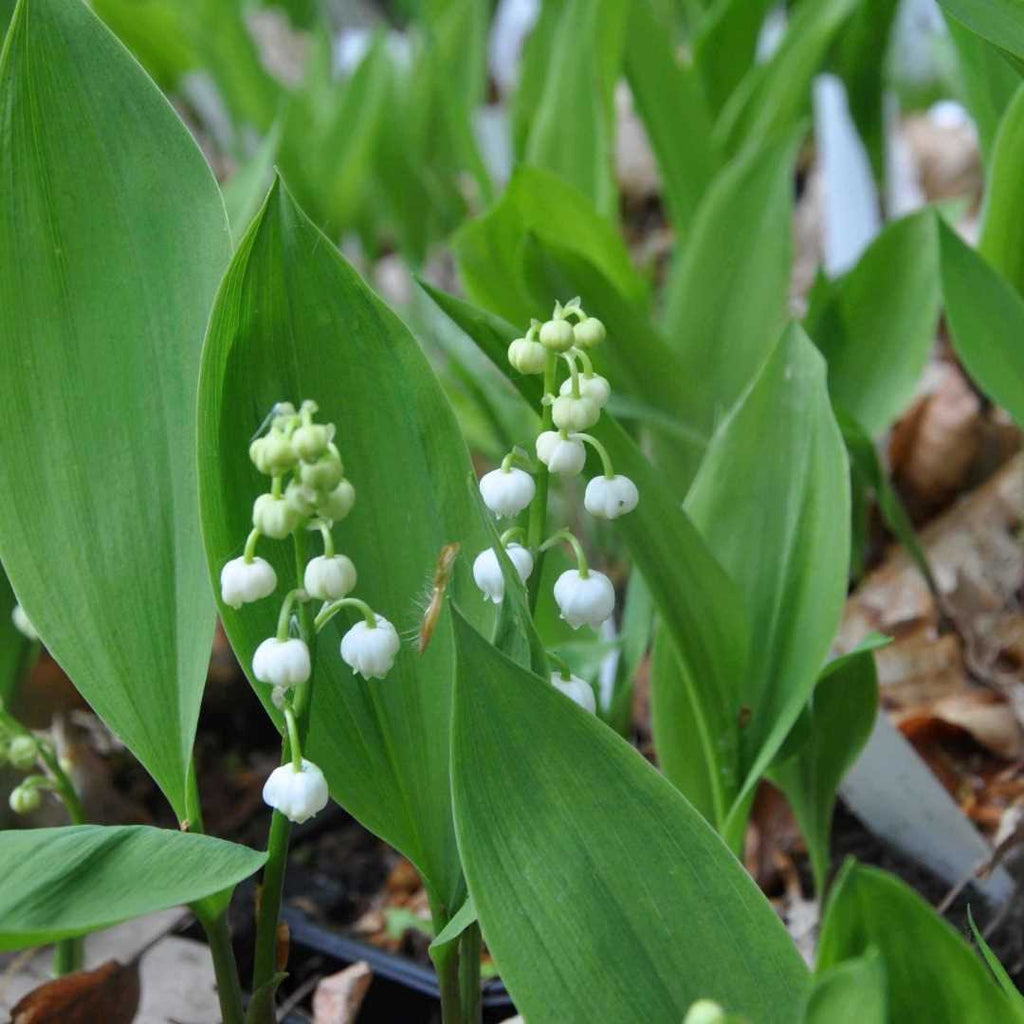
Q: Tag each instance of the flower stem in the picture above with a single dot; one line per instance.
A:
(293, 738)
(330, 610)
(225, 967)
(588, 363)
(570, 538)
(250, 545)
(284, 619)
(573, 373)
(539, 506)
(325, 532)
(606, 459)
(515, 531)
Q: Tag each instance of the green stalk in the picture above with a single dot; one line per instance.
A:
(446, 964)
(539, 507)
(272, 887)
(470, 946)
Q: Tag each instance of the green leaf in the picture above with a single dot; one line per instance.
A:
(853, 992)
(1002, 234)
(772, 500)
(100, 334)
(292, 321)
(725, 46)
(60, 882)
(573, 126)
(459, 922)
(701, 608)
(933, 975)
(726, 298)
(583, 928)
(999, 972)
(1001, 22)
(986, 316)
(842, 714)
(989, 81)
(876, 324)
(674, 111)
(774, 96)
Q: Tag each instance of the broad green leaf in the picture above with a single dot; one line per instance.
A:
(725, 46)
(986, 316)
(853, 992)
(60, 882)
(585, 923)
(876, 324)
(726, 298)
(842, 714)
(533, 78)
(489, 250)
(292, 321)
(674, 111)
(933, 976)
(155, 31)
(774, 96)
(100, 332)
(772, 500)
(1001, 22)
(999, 972)
(1002, 234)
(989, 81)
(573, 127)
(701, 608)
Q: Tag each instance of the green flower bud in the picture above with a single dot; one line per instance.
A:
(310, 441)
(527, 356)
(705, 1011)
(301, 499)
(22, 753)
(325, 474)
(557, 335)
(588, 333)
(574, 414)
(273, 455)
(274, 517)
(338, 503)
(25, 799)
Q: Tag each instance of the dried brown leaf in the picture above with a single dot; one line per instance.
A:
(110, 994)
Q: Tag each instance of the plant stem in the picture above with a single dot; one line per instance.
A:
(470, 944)
(67, 956)
(539, 506)
(272, 887)
(225, 967)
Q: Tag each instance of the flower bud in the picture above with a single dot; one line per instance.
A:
(573, 414)
(577, 690)
(527, 356)
(561, 454)
(22, 623)
(705, 1011)
(25, 799)
(338, 503)
(300, 498)
(281, 662)
(22, 752)
(588, 333)
(242, 582)
(273, 454)
(274, 517)
(557, 335)
(310, 441)
(370, 650)
(487, 570)
(592, 386)
(610, 497)
(584, 599)
(325, 473)
(298, 795)
(328, 579)
(506, 492)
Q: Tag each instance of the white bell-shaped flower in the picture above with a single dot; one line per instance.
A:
(281, 662)
(298, 795)
(576, 689)
(557, 335)
(574, 414)
(336, 505)
(592, 386)
(243, 582)
(22, 623)
(705, 1011)
(329, 578)
(487, 570)
(274, 517)
(370, 650)
(506, 492)
(561, 454)
(610, 497)
(310, 441)
(586, 599)
(527, 356)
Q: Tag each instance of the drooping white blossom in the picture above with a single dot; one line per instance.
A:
(370, 650)
(610, 497)
(329, 578)
(560, 453)
(298, 795)
(487, 570)
(589, 332)
(506, 492)
(574, 414)
(281, 662)
(527, 356)
(557, 335)
(338, 503)
(576, 689)
(243, 582)
(592, 386)
(274, 517)
(584, 600)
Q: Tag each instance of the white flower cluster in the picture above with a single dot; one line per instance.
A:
(309, 491)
